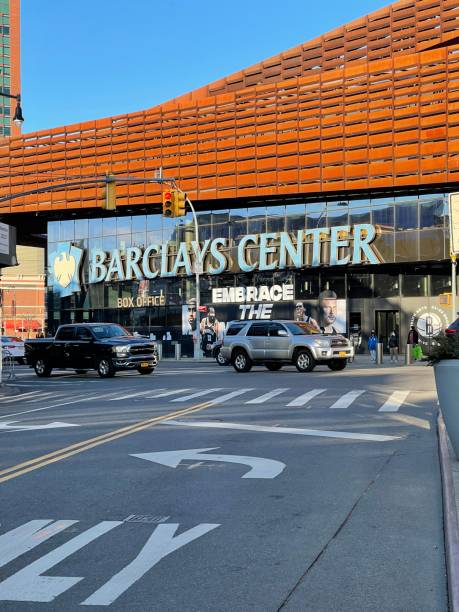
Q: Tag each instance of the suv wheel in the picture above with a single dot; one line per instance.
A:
(304, 361)
(241, 361)
(273, 366)
(105, 368)
(337, 364)
(42, 369)
(220, 359)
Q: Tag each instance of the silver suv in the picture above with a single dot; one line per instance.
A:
(278, 343)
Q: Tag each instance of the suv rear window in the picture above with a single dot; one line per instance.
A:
(233, 330)
(258, 329)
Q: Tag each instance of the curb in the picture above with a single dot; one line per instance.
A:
(450, 524)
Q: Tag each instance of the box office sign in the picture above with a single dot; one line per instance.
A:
(255, 252)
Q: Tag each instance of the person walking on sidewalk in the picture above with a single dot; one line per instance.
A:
(372, 345)
(413, 336)
(393, 347)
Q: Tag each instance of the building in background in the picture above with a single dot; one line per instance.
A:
(292, 164)
(23, 290)
(10, 74)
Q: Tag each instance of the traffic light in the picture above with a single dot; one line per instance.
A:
(169, 203)
(180, 204)
(110, 193)
(174, 203)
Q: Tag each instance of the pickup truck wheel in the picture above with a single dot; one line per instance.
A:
(337, 364)
(42, 369)
(273, 366)
(105, 368)
(145, 370)
(81, 371)
(304, 361)
(241, 361)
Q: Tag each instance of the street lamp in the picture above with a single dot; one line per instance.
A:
(18, 118)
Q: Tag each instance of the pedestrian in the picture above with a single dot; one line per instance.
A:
(393, 346)
(372, 345)
(413, 336)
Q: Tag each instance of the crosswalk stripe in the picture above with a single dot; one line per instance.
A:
(129, 395)
(197, 394)
(20, 397)
(42, 397)
(346, 400)
(228, 396)
(395, 401)
(267, 396)
(301, 400)
(167, 393)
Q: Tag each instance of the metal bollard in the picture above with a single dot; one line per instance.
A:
(379, 353)
(408, 356)
(159, 347)
(178, 351)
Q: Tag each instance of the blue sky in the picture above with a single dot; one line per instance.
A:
(87, 59)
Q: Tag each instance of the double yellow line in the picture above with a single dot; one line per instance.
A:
(35, 464)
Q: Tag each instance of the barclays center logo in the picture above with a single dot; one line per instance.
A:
(65, 267)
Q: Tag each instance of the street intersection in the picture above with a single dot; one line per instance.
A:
(199, 489)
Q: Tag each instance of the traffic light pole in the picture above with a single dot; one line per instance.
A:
(197, 348)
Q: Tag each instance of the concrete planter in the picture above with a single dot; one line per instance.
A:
(447, 381)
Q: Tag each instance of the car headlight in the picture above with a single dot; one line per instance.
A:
(322, 343)
(121, 350)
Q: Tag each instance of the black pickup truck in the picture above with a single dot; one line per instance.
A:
(105, 347)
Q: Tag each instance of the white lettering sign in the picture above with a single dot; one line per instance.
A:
(245, 295)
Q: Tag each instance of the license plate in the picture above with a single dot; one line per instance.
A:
(144, 364)
(342, 354)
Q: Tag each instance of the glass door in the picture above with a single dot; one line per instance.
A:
(387, 321)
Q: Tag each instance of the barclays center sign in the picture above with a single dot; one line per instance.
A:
(255, 252)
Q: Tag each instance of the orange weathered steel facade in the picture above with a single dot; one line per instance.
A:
(371, 105)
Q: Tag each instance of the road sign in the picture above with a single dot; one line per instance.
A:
(260, 467)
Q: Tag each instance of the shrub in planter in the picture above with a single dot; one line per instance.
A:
(445, 347)
(445, 359)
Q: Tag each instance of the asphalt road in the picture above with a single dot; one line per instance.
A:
(317, 492)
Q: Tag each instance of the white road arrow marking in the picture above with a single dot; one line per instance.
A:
(260, 467)
(286, 430)
(9, 425)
